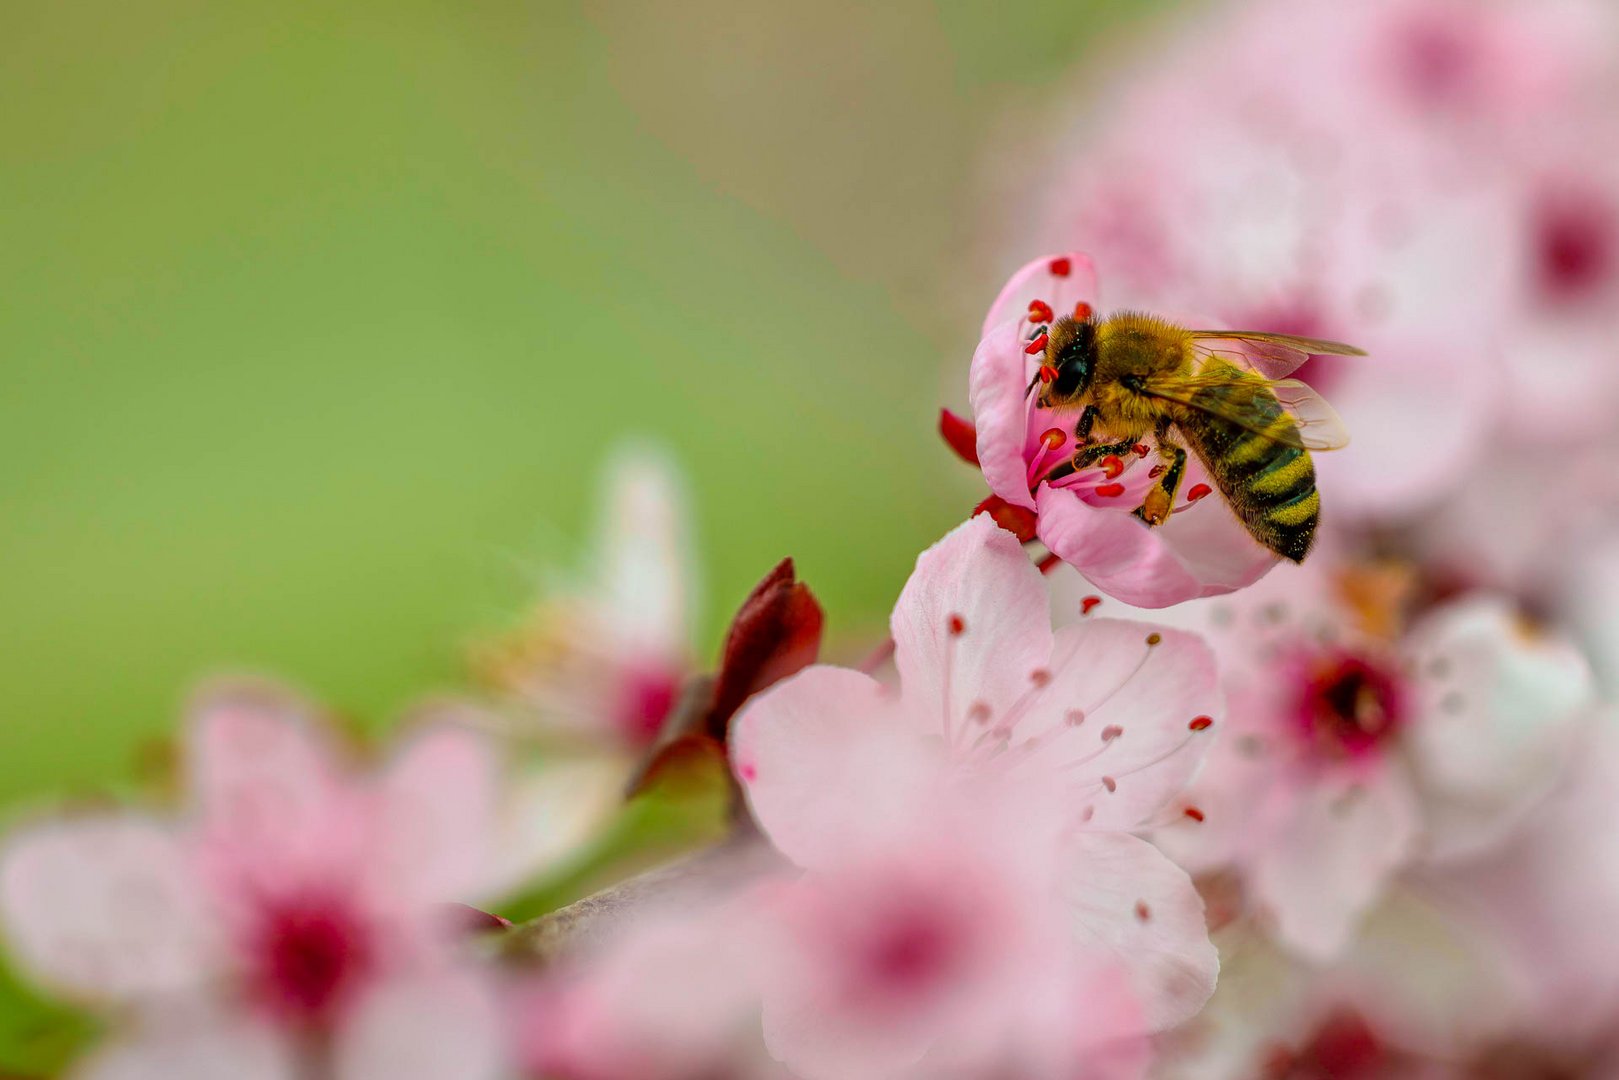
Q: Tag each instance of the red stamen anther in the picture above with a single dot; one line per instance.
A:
(1140, 449)
(960, 435)
(1040, 311)
(1197, 492)
(1143, 912)
(1111, 784)
(1052, 438)
(1038, 345)
(957, 625)
(1194, 813)
(1089, 602)
(978, 712)
(1083, 311)
(1112, 466)
(1156, 471)
(1049, 563)
(1110, 491)
(1047, 373)
(1074, 717)
(1040, 677)
(1061, 267)
(1201, 723)
(1111, 732)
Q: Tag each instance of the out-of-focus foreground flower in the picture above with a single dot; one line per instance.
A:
(295, 920)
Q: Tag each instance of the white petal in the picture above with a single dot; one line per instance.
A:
(1134, 909)
(105, 907)
(1330, 854)
(201, 1045)
(1498, 707)
(1118, 713)
(643, 547)
(424, 1028)
(970, 628)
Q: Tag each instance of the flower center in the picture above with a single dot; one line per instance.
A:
(645, 698)
(1348, 705)
(1344, 1046)
(307, 953)
(1098, 469)
(1575, 247)
(1440, 62)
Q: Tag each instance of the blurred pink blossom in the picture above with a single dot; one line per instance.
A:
(971, 883)
(1085, 518)
(293, 919)
(604, 661)
(1358, 746)
(1428, 179)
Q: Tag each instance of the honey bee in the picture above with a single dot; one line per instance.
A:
(1222, 391)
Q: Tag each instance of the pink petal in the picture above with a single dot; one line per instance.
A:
(105, 908)
(259, 771)
(1199, 552)
(823, 763)
(1038, 280)
(1122, 711)
(195, 1043)
(423, 1028)
(436, 820)
(971, 625)
(998, 387)
(1135, 910)
(1329, 855)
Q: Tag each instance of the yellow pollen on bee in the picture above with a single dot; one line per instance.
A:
(1281, 480)
(1297, 513)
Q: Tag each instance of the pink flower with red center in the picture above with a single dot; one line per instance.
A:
(604, 663)
(293, 921)
(668, 994)
(970, 882)
(1357, 750)
(1085, 516)
(1358, 172)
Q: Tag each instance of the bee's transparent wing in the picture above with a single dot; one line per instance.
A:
(1270, 355)
(1291, 413)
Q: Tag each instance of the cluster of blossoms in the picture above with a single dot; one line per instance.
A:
(1112, 801)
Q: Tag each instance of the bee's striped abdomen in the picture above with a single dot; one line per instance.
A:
(1269, 484)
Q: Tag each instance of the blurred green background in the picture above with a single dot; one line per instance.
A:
(319, 319)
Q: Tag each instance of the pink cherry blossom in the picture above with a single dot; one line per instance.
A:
(1383, 173)
(292, 920)
(667, 995)
(1356, 751)
(603, 663)
(970, 876)
(1085, 517)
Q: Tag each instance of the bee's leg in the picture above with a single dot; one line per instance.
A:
(1086, 456)
(1160, 498)
(1087, 420)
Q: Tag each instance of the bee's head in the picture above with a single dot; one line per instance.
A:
(1070, 360)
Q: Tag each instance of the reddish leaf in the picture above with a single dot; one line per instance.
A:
(1017, 520)
(960, 435)
(776, 632)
